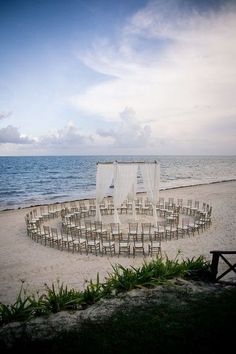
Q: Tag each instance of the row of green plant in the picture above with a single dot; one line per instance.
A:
(58, 297)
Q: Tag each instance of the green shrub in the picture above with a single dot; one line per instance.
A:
(58, 297)
(153, 273)
(21, 310)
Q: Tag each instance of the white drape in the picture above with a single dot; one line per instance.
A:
(104, 178)
(132, 196)
(125, 184)
(125, 176)
(151, 180)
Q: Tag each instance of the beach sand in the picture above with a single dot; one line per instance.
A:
(22, 259)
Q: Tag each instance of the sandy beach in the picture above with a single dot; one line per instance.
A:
(23, 259)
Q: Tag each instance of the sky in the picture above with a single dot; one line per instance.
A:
(127, 77)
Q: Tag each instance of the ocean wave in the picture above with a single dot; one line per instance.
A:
(198, 184)
(9, 193)
(24, 181)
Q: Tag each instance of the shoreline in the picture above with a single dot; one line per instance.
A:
(88, 198)
(21, 258)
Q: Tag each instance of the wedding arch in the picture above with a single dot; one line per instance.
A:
(123, 176)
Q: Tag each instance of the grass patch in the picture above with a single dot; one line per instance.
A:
(58, 297)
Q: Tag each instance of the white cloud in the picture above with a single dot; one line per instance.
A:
(4, 115)
(175, 86)
(128, 133)
(69, 135)
(68, 140)
(174, 67)
(11, 135)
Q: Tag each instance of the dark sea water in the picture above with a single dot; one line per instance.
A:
(26, 181)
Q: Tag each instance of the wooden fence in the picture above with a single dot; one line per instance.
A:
(216, 255)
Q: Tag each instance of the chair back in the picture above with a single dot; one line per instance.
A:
(115, 228)
(54, 231)
(146, 228)
(46, 229)
(89, 225)
(133, 227)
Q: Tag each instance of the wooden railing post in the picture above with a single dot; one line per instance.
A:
(214, 264)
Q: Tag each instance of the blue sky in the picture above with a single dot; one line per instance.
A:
(117, 77)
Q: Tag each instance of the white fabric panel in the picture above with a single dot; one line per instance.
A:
(132, 195)
(125, 184)
(116, 216)
(125, 176)
(151, 180)
(104, 178)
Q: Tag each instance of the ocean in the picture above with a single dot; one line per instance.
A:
(27, 181)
